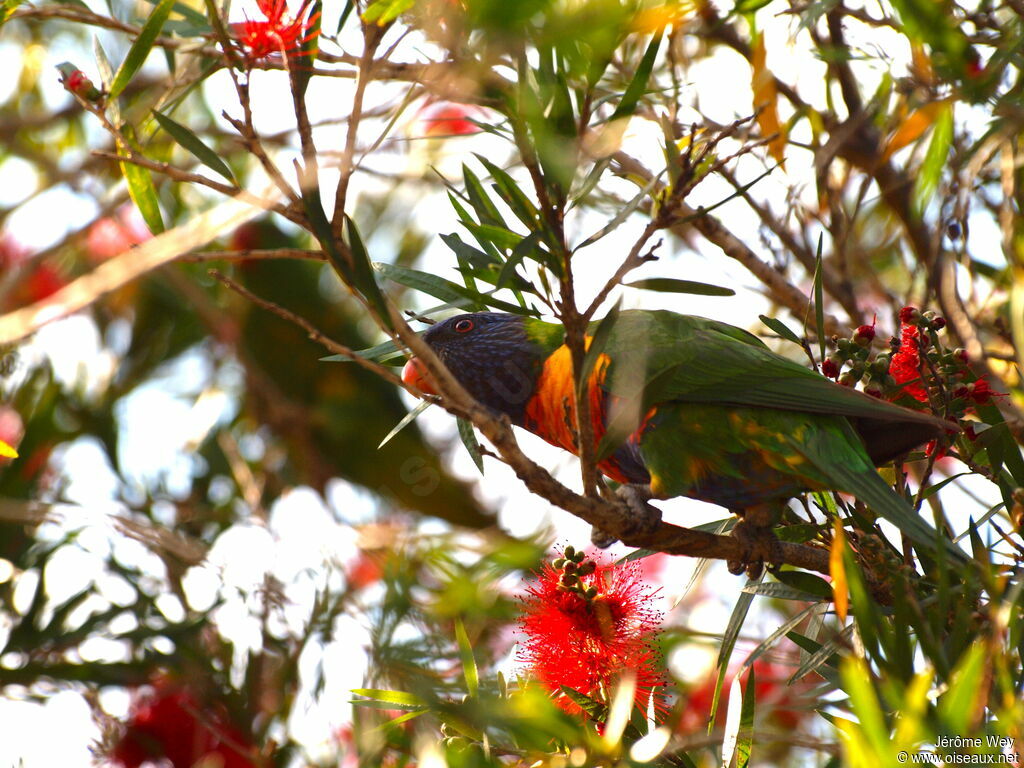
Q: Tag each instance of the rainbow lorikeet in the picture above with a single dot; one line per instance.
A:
(704, 410)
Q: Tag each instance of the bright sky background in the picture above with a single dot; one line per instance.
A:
(161, 420)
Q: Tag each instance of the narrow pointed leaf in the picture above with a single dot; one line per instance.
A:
(780, 328)
(391, 697)
(408, 419)
(469, 669)
(468, 437)
(729, 637)
(673, 285)
(141, 47)
(819, 303)
(195, 145)
(623, 213)
(141, 189)
(638, 85)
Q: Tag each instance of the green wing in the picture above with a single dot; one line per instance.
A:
(667, 357)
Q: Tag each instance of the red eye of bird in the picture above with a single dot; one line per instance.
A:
(464, 326)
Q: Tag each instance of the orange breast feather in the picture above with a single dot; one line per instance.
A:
(551, 412)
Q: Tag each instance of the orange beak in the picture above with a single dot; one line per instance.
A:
(415, 375)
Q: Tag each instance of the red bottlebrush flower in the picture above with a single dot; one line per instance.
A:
(448, 118)
(171, 726)
(982, 394)
(586, 626)
(906, 363)
(829, 368)
(278, 33)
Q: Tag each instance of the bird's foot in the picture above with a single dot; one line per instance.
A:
(601, 539)
(644, 518)
(758, 545)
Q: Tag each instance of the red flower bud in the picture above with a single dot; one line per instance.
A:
(909, 315)
(864, 335)
(938, 323)
(829, 369)
(75, 81)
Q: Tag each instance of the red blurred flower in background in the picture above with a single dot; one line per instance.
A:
(447, 118)
(278, 33)
(38, 281)
(776, 702)
(113, 235)
(170, 725)
(585, 624)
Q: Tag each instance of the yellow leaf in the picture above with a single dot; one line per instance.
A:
(766, 101)
(837, 569)
(649, 20)
(7, 452)
(921, 64)
(913, 127)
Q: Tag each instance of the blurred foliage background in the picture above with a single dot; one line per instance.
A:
(203, 550)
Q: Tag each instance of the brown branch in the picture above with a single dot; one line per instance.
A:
(779, 289)
(311, 330)
(372, 35)
(160, 540)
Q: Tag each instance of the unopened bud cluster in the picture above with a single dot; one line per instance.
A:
(855, 352)
(574, 568)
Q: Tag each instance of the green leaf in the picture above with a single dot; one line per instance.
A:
(382, 353)
(400, 698)
(443, 289)
(194, 144)
(857, 682)
(469, 669)
(345, 13)
(141, 189)
(819, 302)
(7, 9)
(746, 741)
(498, 236)
(622, 214)
(672, 285)
(962, 703)
(141, 47)
(190, 15)
(408, 419)
(102, 63)
(826, 653)
(934, 162)
(383, 12)
(486, 211)
(784, 592)
(514, 197)
(780, 328)
(806, 582)
(302, 70)
(468, 437)
(638, 85)
(363, 278)
(729, 638)
(508, 274)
